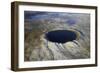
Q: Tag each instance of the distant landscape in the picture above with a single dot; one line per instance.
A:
(39, 48)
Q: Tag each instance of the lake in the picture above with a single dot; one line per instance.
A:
(61, 36)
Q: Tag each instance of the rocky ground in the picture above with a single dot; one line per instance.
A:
(38, 48)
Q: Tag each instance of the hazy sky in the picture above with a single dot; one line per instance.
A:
(70, 18)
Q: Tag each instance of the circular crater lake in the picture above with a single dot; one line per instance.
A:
(61, 36)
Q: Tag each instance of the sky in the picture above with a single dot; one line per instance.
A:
(70, 18)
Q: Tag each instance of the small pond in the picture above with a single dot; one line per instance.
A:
(61, 36)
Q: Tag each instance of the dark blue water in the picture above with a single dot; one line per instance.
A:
(61, 36)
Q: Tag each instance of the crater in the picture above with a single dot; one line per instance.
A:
(61, 36)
